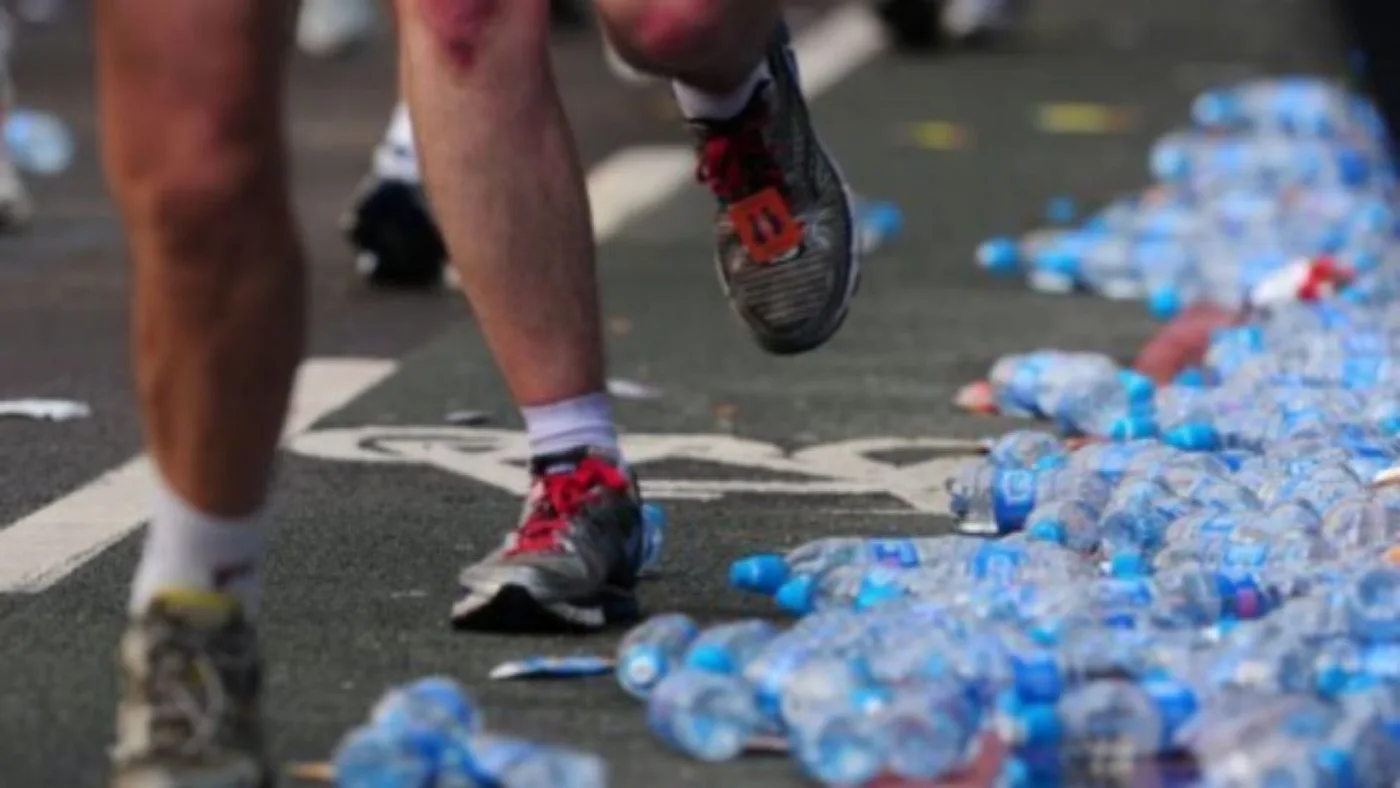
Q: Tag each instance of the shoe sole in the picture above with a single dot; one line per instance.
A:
(797, 344)
(396, 237)
(513, 609)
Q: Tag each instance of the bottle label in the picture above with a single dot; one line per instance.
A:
(894, 552)
(1013, 498)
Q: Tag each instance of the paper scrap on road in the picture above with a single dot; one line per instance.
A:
(546, 667)
(631, 389)
(44, 409)
(1084, 118)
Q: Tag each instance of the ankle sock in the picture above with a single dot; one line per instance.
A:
(585, 421)
(188, 549)
(696, 104)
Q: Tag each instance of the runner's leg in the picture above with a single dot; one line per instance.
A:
(192, 131)
(500, 166)
(786, 244)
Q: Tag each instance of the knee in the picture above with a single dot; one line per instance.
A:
(668, 31)
(191, 185)
(467, 30)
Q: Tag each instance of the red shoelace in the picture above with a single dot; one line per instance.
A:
(560, 496)
(735, 161)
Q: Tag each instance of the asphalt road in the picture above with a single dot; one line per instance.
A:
(366, 553)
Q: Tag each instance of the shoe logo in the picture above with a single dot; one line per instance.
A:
(766, 227)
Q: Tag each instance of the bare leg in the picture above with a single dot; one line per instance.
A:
(192, 133)
(504, 179)
(499, 162)
(192, 130)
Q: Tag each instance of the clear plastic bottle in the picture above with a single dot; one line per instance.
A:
(706, 715)
(652, 649)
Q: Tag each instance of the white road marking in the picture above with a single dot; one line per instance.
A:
(50, 544)
(43, 548)
(498, 458)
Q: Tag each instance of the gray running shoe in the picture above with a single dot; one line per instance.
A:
(787, 256)
(188, 715)
(572, 562)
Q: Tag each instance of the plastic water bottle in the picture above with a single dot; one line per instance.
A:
(1301, 105)
(765, 573)
(372, 757)
(708, 716)
(929, 730)
(37, 142)
(1109, 726)
(515, 763)
(653, 649)
(1004, 498)
(728, 648)
(430, 704)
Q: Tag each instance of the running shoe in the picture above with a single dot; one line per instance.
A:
(572, 562)
(788, 256)
(188, 714)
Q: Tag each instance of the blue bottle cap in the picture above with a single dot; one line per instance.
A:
(795, 596)
(1058, 261)
(1163, 303)
(1191, 377)
(1040, 723)
(1193, 437)
(1132, 427)
(999, 255)
(885, 218)
(763, 573)
(1048, 531)
(1337, 764)
(709, 658)
(1170, 163)
(1138, 386)
(1128, 565)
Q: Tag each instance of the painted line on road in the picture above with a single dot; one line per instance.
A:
(41, 549)
(52, 543)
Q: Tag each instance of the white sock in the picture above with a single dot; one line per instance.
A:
(572, 424)
(396, 158)
(696, 104)
(187, 549)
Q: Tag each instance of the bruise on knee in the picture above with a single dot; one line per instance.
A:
(671, 27)
(460, 25)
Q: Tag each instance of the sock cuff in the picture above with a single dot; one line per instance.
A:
(697, 104)
(579, 422)
(169, 506)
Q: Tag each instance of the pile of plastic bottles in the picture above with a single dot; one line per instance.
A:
(1206, 593)
(1269, 171)
(1235, 614)
(429, 733)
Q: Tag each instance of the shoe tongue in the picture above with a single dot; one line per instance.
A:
(559, 467)
(560, 463)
